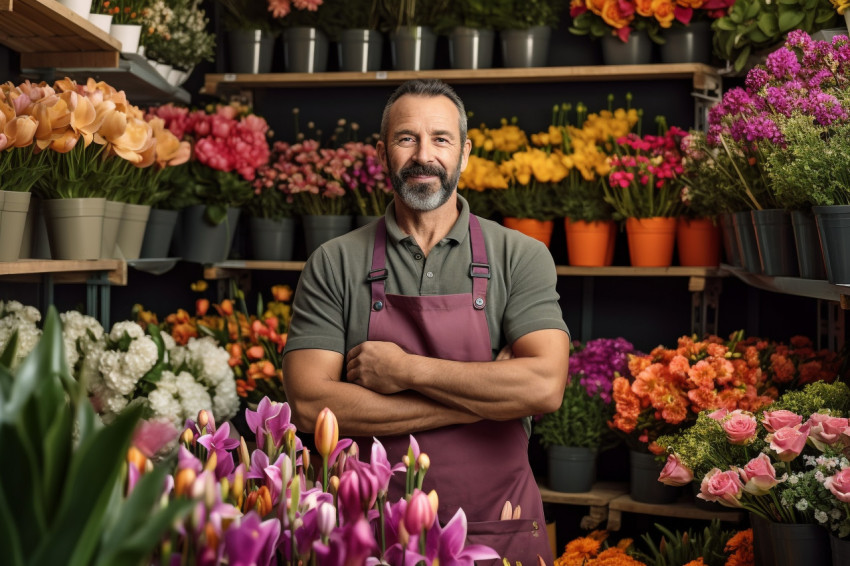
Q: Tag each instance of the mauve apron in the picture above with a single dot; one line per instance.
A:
(479, 466)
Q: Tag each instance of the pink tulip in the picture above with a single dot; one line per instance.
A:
(675, 473)
(723, 487)
(788, 442)
(419, 515)
(740, 427)
(774, 420)
(759, 475)
(839, 485)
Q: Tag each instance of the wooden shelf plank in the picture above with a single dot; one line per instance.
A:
(225, 269)
(813, 288)
(67, 271)
(46, 33)
(629, 271)
(682, 509)
(601, 494)
(703, 76)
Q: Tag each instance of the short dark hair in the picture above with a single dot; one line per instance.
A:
(429, 88)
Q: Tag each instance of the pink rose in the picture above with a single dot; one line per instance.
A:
(723, 487)
(740, 427)
(839, 485)
(718, 415)
(759, 476)
(788, 442)
(774, 420)
(675, 473)
(825, 430)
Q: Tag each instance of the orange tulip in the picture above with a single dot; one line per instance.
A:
(136, 459)
(226, 307)
(183, 481)
(282, 293)
(327, 432)
(201, 306)
(255, 353)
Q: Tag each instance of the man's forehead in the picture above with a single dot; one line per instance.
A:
(437, 110)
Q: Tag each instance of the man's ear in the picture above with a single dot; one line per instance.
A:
(381, 148)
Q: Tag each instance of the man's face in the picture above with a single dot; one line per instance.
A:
(423, 151)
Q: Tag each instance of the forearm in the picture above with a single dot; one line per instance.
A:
(359, 411)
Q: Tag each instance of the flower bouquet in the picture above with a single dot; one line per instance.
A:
(480, 183)
(177, 34)
(620, 19)
(775, 463)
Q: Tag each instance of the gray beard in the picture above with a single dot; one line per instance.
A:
(419, 196)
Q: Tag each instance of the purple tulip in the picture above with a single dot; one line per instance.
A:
(419, 514)
(348, 545)
(381, 467)
(447, 544)
(349, 497)
(253, 542)
(270, 418)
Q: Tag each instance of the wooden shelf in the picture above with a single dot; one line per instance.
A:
(813, 288)
(65, 271)
(597, 499)
(703, 76)
(232, 268)
(682, 509)
(47, 34)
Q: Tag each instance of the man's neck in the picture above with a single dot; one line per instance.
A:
(427, 228)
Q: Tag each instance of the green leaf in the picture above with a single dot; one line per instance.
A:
(215, 213)
(741, 60)
(8, 355)
(789, 20)
(768, 24)
(9, 537)
(752, 11)
(725, 24)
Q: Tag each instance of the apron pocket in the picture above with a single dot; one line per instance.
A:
(514, 539)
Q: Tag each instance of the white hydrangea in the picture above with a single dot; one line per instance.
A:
(207, 362)
(163, 402)
(14, 316)
(821, 517)
(81, 333)
(193, 396)
(127, 327)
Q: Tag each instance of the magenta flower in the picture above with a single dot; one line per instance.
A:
(446, 544)
(270, 419)
(252, 542)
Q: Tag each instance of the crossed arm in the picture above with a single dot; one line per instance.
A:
(388, 391)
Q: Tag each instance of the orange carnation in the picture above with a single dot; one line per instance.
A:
(664, 12)
(613, 16)
(643, 8)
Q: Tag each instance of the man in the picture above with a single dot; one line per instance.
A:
(396, 328)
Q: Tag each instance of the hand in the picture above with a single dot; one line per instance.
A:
(506, 353)
(378, 366)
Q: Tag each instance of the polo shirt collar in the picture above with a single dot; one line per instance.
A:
(457, 234)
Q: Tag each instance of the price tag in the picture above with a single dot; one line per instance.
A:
(229, 77)
(381, 75)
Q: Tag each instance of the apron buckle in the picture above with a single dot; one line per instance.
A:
(377, 274)
(473, 265)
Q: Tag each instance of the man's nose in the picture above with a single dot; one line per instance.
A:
(424, 153)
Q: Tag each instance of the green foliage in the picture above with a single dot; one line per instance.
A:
(580, 421)
(478, 14)
(20, 168)
(752, 25)
(393, 14)
(524, 14)
(218, 190)
(245, 15)
(535, 200)
(680, 548)
(709, 187)
(61, 500)
(339, 15)
(815, 398)
(813, 169)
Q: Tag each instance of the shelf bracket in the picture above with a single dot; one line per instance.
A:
(97, 297)
(831, 319)
(705, 304)
(708, 91)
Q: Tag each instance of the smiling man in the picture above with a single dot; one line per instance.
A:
(435, 323)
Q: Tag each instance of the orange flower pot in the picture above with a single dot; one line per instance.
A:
(698, 242)
(651, 241)
(538, 229)
(590, 244)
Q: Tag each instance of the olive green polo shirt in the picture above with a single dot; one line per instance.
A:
(333, 299)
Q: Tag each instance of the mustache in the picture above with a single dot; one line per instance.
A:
(422, 170)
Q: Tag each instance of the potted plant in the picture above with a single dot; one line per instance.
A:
(250, 39)
(271, 209)
(126, 22)
(755, 27)
(685, 35)
(471, 28)
(524, 30)
(576, 432)
(580, 198)
(305, 34)
(178, 36)
(626, 32)
(410, 27)
(354, 25)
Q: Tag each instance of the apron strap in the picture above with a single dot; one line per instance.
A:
(479, 269)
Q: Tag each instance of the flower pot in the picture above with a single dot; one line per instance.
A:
(540, 230)
(74, 227)
(698, 242)
(471, 48)
(745, 236)
(730, 241)
(250, 50)
(413, 48)
(688, 44)
(636, 51)
(360, 220)
(651, 241)
(359, 50)
(834, 229)
(159, 231)
(572, 469)
(762, 544)
(198, 240)
(305, 50)
(809, 253)
(13, 219)
(102, 21)
(111, 223)
(131, 233)
(590, 244)
(525, 47)
(840, 550)
(320, 229)
(799, 544)
(80, 7)
(271, 240)
(643, 480)
(775, 241)
(128, 35)
(163, 69)
(35, 243)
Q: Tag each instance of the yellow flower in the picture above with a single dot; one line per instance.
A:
(199, 286)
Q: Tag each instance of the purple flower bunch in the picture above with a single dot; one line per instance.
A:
(804, 76)
(598, 361)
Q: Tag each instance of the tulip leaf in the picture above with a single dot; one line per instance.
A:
(9, 537)
(8, 355)
(22, 483)
(56, 449)
(94, 469)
